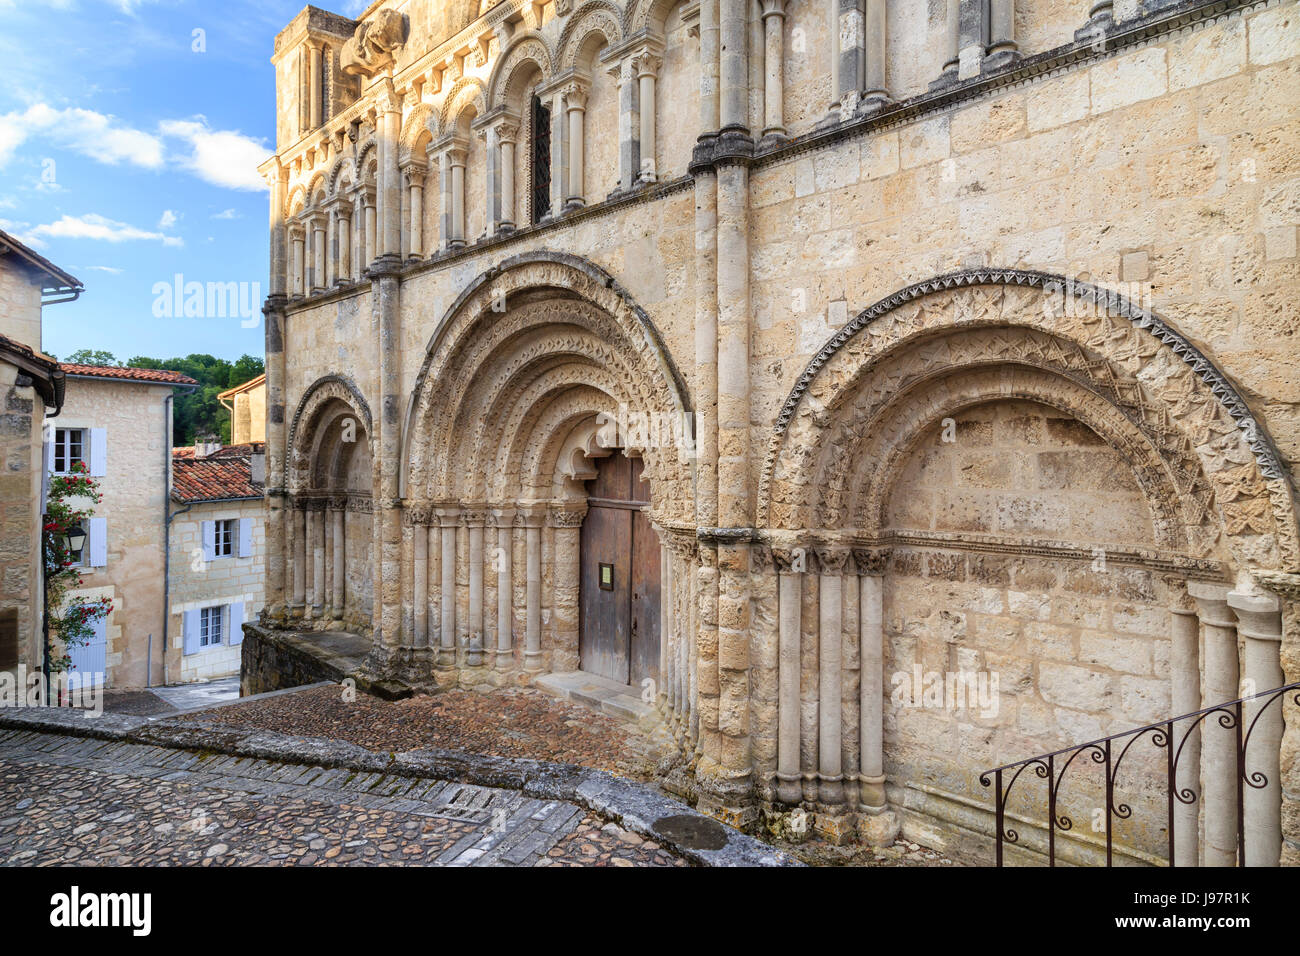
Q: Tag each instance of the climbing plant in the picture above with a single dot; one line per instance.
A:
(72, 622)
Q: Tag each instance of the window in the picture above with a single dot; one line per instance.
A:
(69, 449)
(223, 538)
(541, 160)
(210, 626)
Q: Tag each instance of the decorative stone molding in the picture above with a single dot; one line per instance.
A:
(1193, 415)
(374, 43)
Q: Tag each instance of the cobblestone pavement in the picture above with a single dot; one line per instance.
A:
(502, 722)
(67, 800)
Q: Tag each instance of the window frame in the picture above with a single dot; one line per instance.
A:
(225, 537)
(63, 447)
(208, 616)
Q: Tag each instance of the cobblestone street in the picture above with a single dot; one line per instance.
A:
(66, 800)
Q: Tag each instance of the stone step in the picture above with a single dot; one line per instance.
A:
(599, 693)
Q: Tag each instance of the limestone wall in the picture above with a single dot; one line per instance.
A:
(20, 494)
(196, 583)
(138, 446)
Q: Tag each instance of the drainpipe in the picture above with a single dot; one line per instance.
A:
(168, 516)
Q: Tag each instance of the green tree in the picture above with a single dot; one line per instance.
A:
(198, 414)
(94, 357)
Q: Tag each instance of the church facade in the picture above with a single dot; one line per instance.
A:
(885, 391)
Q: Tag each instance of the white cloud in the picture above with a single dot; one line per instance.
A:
(227, 214)
(221, 157)
(224, 158)
(97, 135)
(167, 219)
(92, 226)
(112, 270)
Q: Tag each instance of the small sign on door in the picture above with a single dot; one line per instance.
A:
(607, 577)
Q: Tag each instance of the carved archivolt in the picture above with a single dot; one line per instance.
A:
(420, 121)
(523, 358)
(467, 92)
(597, 16)
(321, 404)
(523, 54)
(1213, 454)
(649, 16)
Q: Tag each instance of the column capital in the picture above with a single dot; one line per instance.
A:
(1259, 614)
(772, 8)
(503, 517)
(646, 62)
(530, 516)
(448, 516)
(568, 515)
(871, 561)
(413, 172)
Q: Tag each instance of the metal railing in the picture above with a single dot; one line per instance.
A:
(1109, 752)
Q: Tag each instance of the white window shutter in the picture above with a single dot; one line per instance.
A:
(98, 452)
(190, 629)
(48, 453)
(246, 537)
(209, 540)
(236, 623)
(97, 541)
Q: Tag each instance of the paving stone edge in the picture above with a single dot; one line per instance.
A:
(634, 806)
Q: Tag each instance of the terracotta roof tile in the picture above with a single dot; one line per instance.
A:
(212, 478)
(129, 374)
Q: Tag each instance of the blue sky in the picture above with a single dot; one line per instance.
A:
(127, 156)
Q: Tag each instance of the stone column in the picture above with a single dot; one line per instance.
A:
(830, 789)
(1185, 667)
(733, 65)
(273, 310)
(575, 101)
(340, 560)
(789, 604)
(448, 520)
(457, 157)
(559, 152)
(567, 522)
(952, 42)
(327, 530)
(878, 824)
(344, 224)
(1002, 49)
(875, 96)
(316, 77)
(505, 587)
(475, 518)
(629, 122)
(647, 67)
(1259, 621)
(420, 582)
(507, 134)
(972, 38)
(372, 227)
(387, 501)
(532, 521)
(390, 130)
(773, 74)
(299, 556)
(1218, 744)
(298, 266)
(318, 559)
(318, 227)
(414, 175)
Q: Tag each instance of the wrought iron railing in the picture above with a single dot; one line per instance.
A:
(1170, 736)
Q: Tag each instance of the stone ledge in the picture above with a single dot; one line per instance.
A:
(634, 806)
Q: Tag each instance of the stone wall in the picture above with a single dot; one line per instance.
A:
(21, 418)
(138, 448)
(196, 583)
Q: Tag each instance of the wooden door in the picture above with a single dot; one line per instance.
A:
(619, 585)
